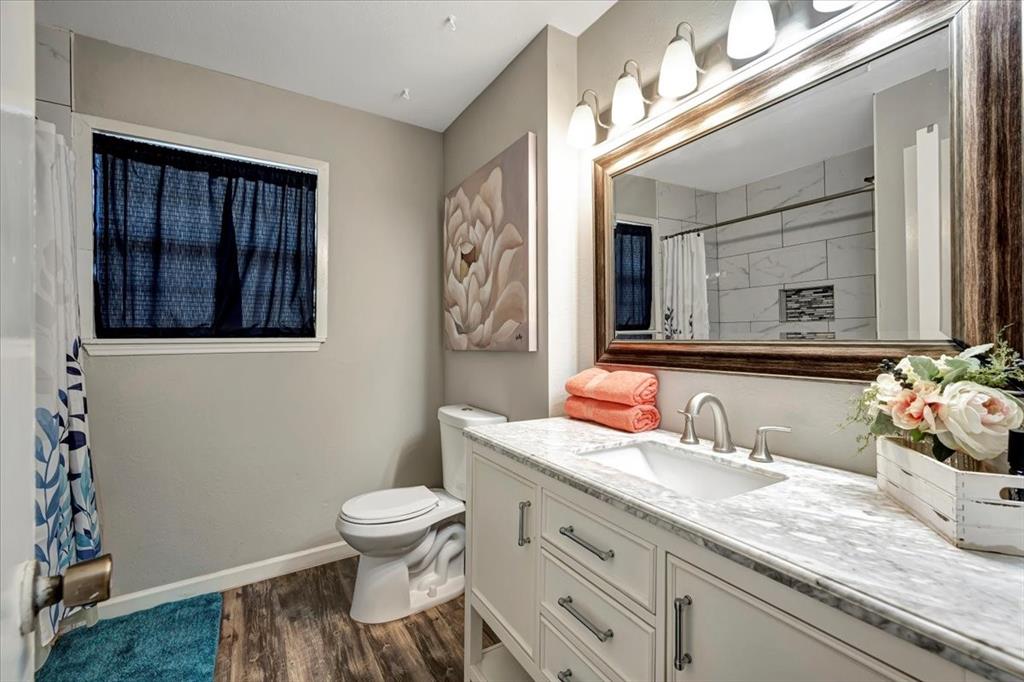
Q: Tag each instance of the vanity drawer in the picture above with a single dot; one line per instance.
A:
(617, 637)
(560, 658)
(613, 554)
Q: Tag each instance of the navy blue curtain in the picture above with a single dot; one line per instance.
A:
(634, 275)
(194, 245)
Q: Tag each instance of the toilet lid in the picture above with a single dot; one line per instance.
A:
(393, 504)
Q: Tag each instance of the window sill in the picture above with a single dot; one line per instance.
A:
(103, 347)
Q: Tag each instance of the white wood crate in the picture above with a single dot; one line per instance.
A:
(962, 506)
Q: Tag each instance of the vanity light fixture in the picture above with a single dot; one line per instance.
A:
(584, 122)
(829, 6)
(751, 29)
(679, 69)
(628, 98)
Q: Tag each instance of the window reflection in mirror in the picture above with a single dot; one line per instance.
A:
(823, 217)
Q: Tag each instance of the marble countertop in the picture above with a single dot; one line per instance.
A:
(826, 532)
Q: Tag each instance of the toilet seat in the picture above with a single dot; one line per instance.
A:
(389, 506)
(397, 536)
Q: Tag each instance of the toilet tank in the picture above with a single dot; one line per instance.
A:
(455, 418)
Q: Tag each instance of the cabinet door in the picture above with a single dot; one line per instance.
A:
(717, 632)
(504, 549)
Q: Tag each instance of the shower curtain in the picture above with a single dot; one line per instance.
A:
(67, 522)
(684, 287)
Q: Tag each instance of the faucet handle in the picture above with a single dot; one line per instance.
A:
(689, 431)
(760, 453)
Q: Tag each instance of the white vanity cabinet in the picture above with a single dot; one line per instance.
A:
(579, 590)
(503, 551)
(719, 632)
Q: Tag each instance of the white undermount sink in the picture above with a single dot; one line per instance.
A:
(686, 473)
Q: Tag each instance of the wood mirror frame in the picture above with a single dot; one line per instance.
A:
(986, 167)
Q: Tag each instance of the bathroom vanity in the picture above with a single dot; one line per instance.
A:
(593, 556)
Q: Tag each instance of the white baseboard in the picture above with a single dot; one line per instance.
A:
(227, 579)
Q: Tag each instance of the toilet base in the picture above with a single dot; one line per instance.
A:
(389, 588)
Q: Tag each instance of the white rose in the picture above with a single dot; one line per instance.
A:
(886, 389)
(978, 419)
(482, 304)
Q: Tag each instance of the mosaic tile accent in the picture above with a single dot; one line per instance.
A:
(808, 336)
(808, 304)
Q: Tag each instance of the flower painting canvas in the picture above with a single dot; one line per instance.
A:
(490, 254)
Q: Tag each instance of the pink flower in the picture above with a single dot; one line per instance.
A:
(917, 407)
(931, 393)
(907, 410)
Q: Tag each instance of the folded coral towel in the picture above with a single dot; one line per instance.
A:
(627, 388)
(632, 418)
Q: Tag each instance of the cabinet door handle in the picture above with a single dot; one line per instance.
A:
(681, 660)
(523, 540)
(602, 554)
(565, 675)
(602, 635)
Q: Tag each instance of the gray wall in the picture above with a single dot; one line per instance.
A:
(206, 462)
(813, 408)
(534, 93)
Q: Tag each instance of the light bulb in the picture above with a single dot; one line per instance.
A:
(678, 69)
(583, 126)
(627, 100)
(751, 29)
(829, 6)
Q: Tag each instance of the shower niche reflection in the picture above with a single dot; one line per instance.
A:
(824, 217)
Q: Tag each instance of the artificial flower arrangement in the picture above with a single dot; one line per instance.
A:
(948, 405)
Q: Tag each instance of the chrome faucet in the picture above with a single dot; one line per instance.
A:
(723, 441)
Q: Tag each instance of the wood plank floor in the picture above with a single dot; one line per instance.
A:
(297, 628)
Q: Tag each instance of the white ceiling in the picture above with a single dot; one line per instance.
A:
(357, 53)
(826, 121)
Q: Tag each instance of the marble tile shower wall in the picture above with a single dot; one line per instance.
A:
(829, 243)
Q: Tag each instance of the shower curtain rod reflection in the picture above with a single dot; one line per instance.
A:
(790, 207)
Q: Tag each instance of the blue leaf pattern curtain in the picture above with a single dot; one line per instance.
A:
(67, 521)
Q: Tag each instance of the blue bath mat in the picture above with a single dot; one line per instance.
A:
(176, 642)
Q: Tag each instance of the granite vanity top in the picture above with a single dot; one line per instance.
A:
(825, 532)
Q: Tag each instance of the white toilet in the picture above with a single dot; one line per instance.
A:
(411, 540)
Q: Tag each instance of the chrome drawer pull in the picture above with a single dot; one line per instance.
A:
(602, 635)
(681, 660)
(565, 675)
(603, 555)
(523, 540)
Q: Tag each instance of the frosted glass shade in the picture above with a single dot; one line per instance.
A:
(751, 29)
(627, 101)
(582, 126)
(829, 6)
(678, 70)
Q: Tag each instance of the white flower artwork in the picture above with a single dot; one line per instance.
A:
(489, 255)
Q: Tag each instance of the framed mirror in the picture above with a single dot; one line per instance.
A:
(856, 201)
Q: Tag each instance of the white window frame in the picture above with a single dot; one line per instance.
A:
(83, 127)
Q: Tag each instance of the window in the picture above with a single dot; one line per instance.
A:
(200, 246)
(634, 275)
